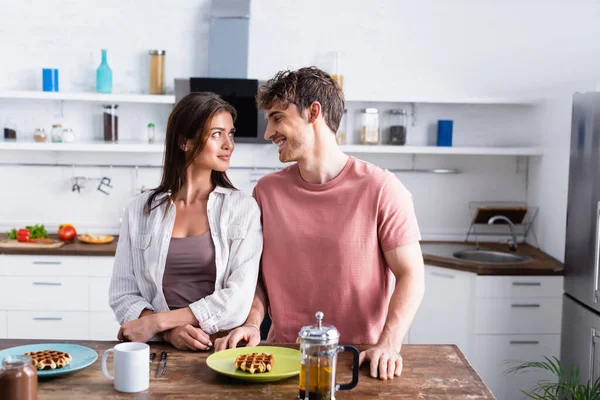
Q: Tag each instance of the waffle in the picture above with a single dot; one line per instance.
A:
(49, 359)
(255, 362)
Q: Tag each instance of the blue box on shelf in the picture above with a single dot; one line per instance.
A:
(50, 79)
(444, 133)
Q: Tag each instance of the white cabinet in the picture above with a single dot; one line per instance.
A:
(445, 314)
(56, 297)
(517, 319)
(3, 325)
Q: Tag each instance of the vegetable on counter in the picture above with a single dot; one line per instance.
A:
(23, 235)
(29, 232)
(66, 232)
(12, 234)
(37, 231)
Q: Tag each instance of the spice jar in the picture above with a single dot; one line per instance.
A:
(56, 133)
(39, 135)
(397, 129)
(369, 131)
(111, 123)
(10, 130)
(340, 136)
(18, 379)
(68, 135)
(150, 133)
(157, 71)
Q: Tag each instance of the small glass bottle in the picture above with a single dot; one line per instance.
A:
(68, 135)
(340, 136)
(10, 130)
(369, 131)
(18, 378)
(157, 71)
(150, 133)
(39, 135)
(111, 123)
(56, 133)
(397, 129)
(104, 76)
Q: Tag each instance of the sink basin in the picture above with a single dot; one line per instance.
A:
(491, 257)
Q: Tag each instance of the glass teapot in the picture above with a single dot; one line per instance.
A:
(319, 349)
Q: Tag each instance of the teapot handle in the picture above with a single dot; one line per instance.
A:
(355, 356)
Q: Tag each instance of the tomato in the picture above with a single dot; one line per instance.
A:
(62, 226)
(66, 233)
(23, 235)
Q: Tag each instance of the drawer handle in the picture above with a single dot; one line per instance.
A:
(524, 342)
(47, 262)
(527, 283)
(47, 283)
(47, 319)
(442, 275)
(525, 305)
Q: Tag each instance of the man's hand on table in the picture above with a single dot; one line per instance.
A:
(386, 361)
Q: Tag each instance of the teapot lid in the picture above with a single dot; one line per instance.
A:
(321, 333)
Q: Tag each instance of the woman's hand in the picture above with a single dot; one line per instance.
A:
(139, 330)
(188, 338)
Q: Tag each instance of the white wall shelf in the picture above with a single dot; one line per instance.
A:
(434, 99)
(89, 97)
(138, 147)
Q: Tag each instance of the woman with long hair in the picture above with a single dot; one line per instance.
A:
(188, 255)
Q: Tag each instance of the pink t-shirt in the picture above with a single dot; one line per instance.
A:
(323, 248)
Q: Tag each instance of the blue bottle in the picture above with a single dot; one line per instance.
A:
(104, 76)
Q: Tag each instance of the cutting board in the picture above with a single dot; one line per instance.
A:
(13, 244)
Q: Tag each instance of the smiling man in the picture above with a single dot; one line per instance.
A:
(335, 230)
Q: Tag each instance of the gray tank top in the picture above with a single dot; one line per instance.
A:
(190, 270)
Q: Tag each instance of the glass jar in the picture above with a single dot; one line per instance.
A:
(56, 133)
(340, 136)
(39, 135)
(157, 71)
(111, 123)
(18, 379)
(10, 130)
(397, 129)
(369, 130)
(68, 135)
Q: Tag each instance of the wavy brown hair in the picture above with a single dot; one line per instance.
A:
(302, 87)
(189, 121)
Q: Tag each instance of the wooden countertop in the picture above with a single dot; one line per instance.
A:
(430, 371)
(440, 254)
(435, 253)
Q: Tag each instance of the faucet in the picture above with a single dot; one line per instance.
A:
(512, 243)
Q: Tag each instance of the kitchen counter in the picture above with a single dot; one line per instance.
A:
(73, 248)
(439, 254)
(430, 371)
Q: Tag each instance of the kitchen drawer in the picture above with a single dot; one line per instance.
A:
(495, 354)
(44, 293)
(99, 294)
(103, 326)
(48, 325)
(13, 265)
(3, 325)
(101, 266)
(518, 316)
(518, 286)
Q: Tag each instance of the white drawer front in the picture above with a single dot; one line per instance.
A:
(101, 266)
(519, 286)
(99, 294)
(48, 325)
(13, 265)
(44, 293)
(518, 316)
(3, 325)
(103, 326)
(494, 355)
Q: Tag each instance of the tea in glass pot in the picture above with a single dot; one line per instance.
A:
(319, 349)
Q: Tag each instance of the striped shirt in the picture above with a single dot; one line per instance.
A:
(136, 283)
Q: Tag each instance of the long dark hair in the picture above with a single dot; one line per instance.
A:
(189, 120)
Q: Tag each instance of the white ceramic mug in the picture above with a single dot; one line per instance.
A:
(132, 367)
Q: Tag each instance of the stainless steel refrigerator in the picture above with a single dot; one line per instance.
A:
(580, 340)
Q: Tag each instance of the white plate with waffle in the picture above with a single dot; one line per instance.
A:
(53, 359)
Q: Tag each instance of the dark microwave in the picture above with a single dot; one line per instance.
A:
(240, 93)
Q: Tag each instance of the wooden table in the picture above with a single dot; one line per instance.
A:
(430, 372)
